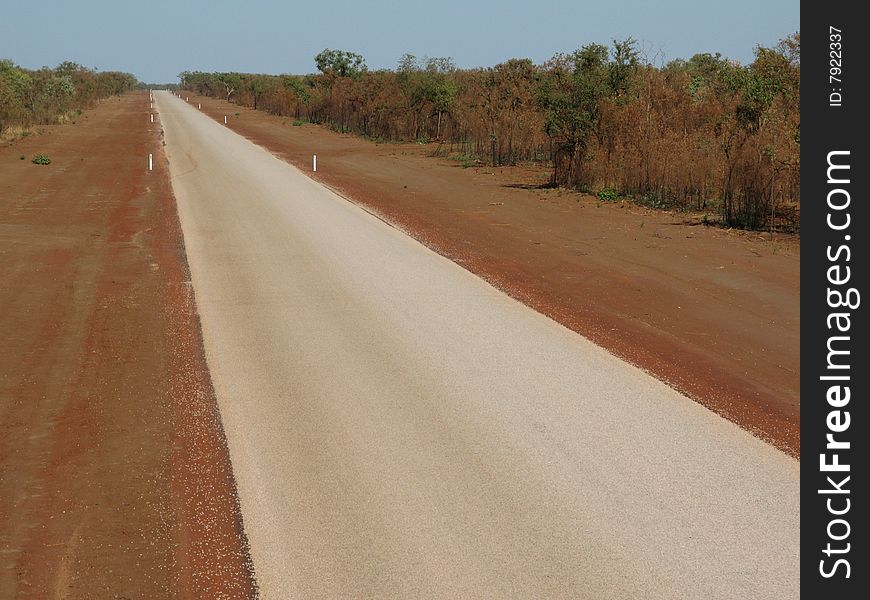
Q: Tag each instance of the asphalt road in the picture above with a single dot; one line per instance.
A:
(399, 428)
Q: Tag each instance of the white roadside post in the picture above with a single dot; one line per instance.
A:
(152, 117)
(199, 106)
(150, 162)
(225, 119)
(314, 161)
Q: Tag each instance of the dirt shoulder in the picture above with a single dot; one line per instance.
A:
(114, 475)
(713, 312)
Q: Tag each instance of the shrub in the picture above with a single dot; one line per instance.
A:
(23, 157)
(466, 159)
(41, 159)
(652, 201)
(608, 194)
(298, 123)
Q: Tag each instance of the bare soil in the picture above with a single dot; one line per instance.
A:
(713, 312)
(114, 476)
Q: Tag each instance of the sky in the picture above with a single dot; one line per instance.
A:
(157, 39)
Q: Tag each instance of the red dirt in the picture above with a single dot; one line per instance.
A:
(114, 475)
(713, 312)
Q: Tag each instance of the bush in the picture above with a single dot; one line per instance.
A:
(41, 159)
(608, 194)
(652, 201)
(466, 159)
(23, 157)
(298, 123)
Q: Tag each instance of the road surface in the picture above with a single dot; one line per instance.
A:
(398, 428)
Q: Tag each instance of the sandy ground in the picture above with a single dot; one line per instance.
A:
(399, 428)
(114, 478)
(714, 313)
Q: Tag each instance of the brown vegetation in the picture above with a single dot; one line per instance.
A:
(706, 134)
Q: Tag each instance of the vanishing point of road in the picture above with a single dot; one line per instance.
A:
(398, 428)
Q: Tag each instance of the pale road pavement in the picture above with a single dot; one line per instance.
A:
(398, 428)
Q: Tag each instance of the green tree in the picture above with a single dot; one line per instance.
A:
(622, 68)
(429, 88)
(340, 63)
(231, 83)
(255, 87)
(59, 90)
(570, 97)
(438, 88)
(15, 89)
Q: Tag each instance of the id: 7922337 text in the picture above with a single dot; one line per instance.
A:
(835, 63)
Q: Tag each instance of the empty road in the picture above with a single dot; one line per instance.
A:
(398, 428)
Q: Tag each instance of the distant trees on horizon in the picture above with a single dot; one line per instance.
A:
(705, 134)
(38, 97)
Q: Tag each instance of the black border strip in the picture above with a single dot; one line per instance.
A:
(834, 222)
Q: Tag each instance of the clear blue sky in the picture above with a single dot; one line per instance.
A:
(157, 39)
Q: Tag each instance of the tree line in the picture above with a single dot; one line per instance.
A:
(43, 96)
(706, 134)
